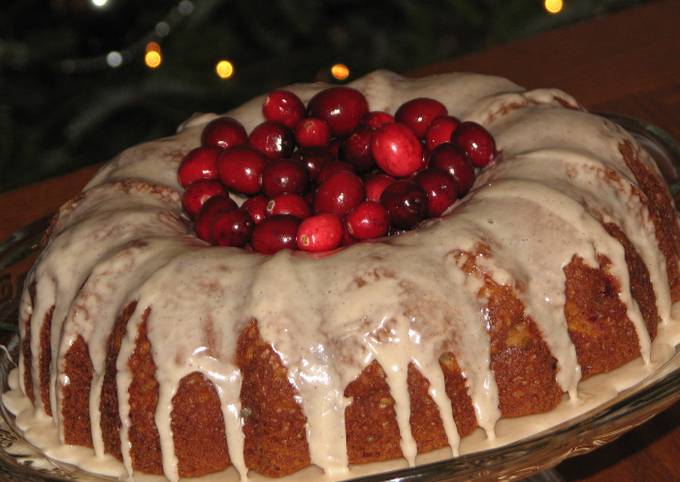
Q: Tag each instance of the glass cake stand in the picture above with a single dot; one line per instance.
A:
(529, 457)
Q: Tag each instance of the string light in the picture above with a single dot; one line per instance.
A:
(99, 3)
(114, 59)
(340, 71)
(553, 6)
(224, 69)
(153, 59)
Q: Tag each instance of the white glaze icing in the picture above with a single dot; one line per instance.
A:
(414, 302)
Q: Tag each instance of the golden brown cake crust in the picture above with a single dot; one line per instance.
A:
(197, 427)
(76, 394)
(145, 442)
(274, 425)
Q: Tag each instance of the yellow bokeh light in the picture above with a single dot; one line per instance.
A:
(340, 71)
(224, 69)
(153, 59)
(553, 6)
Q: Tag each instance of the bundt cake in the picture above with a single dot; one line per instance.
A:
(149, 346)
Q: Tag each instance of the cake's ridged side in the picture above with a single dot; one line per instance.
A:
(45, 360)
(456, 390)
(108, 407)
(662, 212)
(640, 284)
(274, 425)
(602, 334)
(370, 419)
(26, 353)
(425, 420)
(75, 411)
(198, 428)
(522, 364)
(145, 444)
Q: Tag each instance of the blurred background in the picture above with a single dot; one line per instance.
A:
(82, 79)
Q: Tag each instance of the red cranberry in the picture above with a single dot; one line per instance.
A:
(332, 168)
(198, 193)
(241, 169)
(272, 139)
(206, 216)
(419, 113)
(342, 107)
(292, 204)
(397, 150)
(440, 131)
(314, 159)
(256, 207)
(283, 107)
(368, 220)
(339, 194)
(321, 232)
(275, 233)
(406, 203)
(375, 184)
(454, 161)
(224, 132)
(347, 239)
(312, 132)
(377, 119)
(477, 143)
(357, 149)
(199, 163)
(440, 190)
(233, 228)
(284, 176)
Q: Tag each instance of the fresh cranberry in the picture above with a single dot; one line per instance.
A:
(275, 233)
(477, 143)
(332, 168)
(440, 190)
(232, 228)
(241, 169)
(312, 132)
(356, 149)
(284, 176)
(199, 163)
(419, 113)
(375, 184)
(224, 132)
(440, 131)
(406, 203)
(397, 150)
(451, 159)
(321, 232)
(339, 194)
(292, 204)
(377, 119)
(314, 159)
(342, 107)
(198, 193)
(272, 139)
(256, 207)
(368, 220)
(283, 107)
(347, 239)
(205, 218)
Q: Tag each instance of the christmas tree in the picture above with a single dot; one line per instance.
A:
(82, 79)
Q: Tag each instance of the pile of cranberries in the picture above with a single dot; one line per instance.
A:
(330, 174)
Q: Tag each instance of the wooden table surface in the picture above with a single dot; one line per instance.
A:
(629, 63)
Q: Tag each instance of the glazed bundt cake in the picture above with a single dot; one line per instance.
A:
(143, 342)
